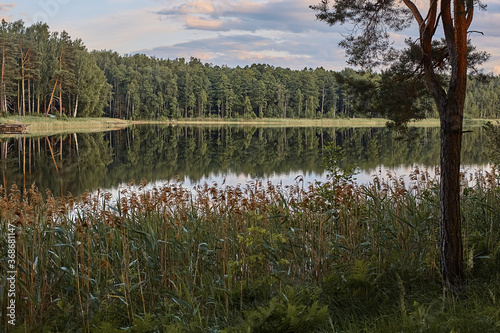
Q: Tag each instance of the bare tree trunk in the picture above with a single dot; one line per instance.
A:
(24, 162)
(76, 106)
(23, 97)
(323, 103)
(68, 111)
(47, 111)
(60, 100)
(29, 96)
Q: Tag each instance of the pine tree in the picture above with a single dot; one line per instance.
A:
(8, 78)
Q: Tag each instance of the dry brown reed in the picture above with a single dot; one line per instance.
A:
(201, 254)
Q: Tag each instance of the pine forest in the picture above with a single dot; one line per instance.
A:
(44, 72)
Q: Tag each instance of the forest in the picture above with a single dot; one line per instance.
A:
(44, 72)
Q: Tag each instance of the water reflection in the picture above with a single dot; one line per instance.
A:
(79, 162)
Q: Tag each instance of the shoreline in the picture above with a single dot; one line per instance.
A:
(50, 126)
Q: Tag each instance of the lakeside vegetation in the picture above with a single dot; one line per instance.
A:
(336, 256)
(43, 126)
(39, 125)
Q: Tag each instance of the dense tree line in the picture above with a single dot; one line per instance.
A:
(147, 87)
(48, 72)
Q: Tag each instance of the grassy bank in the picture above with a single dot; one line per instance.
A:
(256, 258)
(49, 126)
(270, 122)
(339, 122)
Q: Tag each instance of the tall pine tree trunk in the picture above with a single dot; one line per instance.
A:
(60, 100)
(68, 111)
(323, 102)
(450, 233)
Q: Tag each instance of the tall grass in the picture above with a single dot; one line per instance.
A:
(258, 257)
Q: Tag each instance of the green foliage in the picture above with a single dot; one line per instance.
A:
(54, 73)
(336, 191)
(333, 160)
(297, 310)
(368, 45)
(277, 317)
(493, 135)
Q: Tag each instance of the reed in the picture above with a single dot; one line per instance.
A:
(256, 257)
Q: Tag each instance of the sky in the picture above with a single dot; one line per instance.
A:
(281, 33)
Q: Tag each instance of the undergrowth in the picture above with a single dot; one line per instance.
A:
(332, 257)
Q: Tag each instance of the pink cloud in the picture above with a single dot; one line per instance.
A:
(197, 22)
(4, 9)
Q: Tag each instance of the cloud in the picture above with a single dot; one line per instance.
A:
(246, 15)
(486, 23)
(124, 30)
(5, 8)
(281, 33)
(295, 51)
(197, 22)
(277, 32)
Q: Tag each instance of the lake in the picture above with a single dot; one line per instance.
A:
(77, 163)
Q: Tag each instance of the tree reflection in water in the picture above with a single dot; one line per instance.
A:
(77, 163)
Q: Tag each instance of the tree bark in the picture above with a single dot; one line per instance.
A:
(450, 104)
(450, 227)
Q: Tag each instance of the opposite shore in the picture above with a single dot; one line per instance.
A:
(50, 126)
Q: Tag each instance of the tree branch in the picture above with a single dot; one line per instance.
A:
(431, 25)
(447, 20)
(416, 13)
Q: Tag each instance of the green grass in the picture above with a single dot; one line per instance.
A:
(38, 125)
(355, 122)
(255, 258)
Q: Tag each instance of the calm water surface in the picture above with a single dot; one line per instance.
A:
(84, 162)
